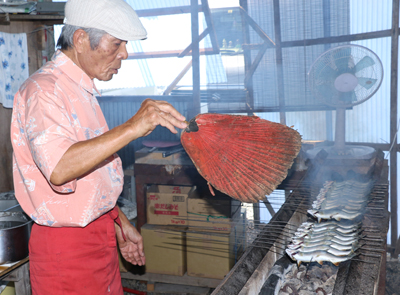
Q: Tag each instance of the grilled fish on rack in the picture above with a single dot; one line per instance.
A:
(337, 208)
(337, 214)
(322, 245)
(318, 256)
(299, 240)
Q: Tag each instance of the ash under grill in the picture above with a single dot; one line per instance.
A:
(266, 269)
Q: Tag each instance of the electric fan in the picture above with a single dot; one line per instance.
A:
(343, 77)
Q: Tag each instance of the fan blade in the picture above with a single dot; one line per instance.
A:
(367, 83)
(348, 97)
(365, 62)
(342, 59)
(326, 73)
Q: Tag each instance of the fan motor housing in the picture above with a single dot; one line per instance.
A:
(346, 82)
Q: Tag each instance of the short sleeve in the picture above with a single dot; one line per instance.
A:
(50, 133)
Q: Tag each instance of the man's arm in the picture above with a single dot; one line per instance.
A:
(83, 156)
(132, 247)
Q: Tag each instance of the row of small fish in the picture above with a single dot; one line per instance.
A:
(335, 238)
(319, 256)
(328, 241)
(337, 214)
(341, 200)
(347, 193)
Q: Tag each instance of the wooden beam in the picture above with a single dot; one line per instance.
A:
(393, 120)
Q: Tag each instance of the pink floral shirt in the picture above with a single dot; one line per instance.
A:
(54, 109)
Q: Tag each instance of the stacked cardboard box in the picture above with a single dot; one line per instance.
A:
(189, 230)
(165, 249)
(212, 213)
(215, 237)
(164, 235)
(167, 204)
(212, 254)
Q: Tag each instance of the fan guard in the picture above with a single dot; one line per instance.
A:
(343, 77)
(346, 75)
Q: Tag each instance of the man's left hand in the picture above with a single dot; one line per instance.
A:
(132, 247)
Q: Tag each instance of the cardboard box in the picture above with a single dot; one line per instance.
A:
(211, 254)
(212, 213)
(165, 249)
(167, 204)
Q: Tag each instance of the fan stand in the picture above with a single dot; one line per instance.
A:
(340, 151)
(342, 77)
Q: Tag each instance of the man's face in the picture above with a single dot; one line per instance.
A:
(104, 61)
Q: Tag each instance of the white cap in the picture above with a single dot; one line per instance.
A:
(116, 17)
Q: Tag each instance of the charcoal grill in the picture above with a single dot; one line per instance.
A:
(360, 275)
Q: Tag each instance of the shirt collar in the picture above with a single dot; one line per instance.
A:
(64, 63)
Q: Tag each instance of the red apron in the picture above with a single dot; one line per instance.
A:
(72, 261)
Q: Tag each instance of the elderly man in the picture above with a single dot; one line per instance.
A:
(67, 174)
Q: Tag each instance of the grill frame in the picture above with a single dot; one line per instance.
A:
(353, 277)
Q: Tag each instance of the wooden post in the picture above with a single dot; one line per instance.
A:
(393, 121)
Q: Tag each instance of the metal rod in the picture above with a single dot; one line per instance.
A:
(340, 132)
(178, 78)
(279, 59)
(247, 58)
(210, 25)
(195, 58)
(393, 120)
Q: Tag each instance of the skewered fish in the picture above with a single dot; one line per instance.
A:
(326, 246)
(318, 256)
(330, 232)
(338, 207)
(334, 214)
(344, 200)
(299, 240)
(338, 253)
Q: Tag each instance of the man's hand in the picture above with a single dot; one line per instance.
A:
(153, 113)
(132, 248)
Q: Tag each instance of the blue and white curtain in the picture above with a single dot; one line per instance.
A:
(14, 66)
